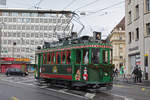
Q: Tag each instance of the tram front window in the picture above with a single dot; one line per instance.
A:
(105, 56)
(95, 56)
(85, 56)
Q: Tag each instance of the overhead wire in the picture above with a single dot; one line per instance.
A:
(111, 6)
(86, 5)
(69, 4)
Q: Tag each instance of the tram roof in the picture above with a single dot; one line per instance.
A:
(76, 46)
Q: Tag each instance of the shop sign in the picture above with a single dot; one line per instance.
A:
(138, 63)
(7, 59)
(22, 59)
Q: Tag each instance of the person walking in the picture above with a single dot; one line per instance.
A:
(139, 75)
(116, 72)
(135, 73)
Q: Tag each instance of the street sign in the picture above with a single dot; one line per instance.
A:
(146, 55)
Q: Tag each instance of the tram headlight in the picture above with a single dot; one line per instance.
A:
(106, 74)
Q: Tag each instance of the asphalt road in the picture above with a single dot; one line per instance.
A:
(26, 88)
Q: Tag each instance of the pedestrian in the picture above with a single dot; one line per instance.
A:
(135, 73)
(139, 75)
(116, 72)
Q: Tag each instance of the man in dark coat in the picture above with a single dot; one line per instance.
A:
(135, 72)
(139, 75)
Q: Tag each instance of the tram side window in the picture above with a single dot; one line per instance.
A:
(111, 56)
(44, 56)
(68, 57)
(78, 56)
(95, 56)
(63, 57)
(105, 56)
(52, 58)
(48, 58)
(85, 56)
(58, 55)
(41, 60)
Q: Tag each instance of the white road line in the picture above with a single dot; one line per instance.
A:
(90, 95)
(125, 98)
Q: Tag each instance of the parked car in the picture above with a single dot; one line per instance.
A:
(15, 71)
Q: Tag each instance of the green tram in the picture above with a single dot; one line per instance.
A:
(76, 63)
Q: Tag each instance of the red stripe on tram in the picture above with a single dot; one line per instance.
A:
(69, 77)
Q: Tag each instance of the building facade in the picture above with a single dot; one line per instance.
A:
(138, 35)
(22, 30)
(117, 39)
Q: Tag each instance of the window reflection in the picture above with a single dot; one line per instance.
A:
(95, 56)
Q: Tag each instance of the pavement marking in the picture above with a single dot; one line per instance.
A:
(14, 98)
(125, 98)
(62, 91)
(143, 89)
(90, 95)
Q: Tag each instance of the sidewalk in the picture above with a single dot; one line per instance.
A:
(121, 80)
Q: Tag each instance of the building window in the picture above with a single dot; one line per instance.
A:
(120, 37)
(32, 34)
(137, 33)
(9, 19)
(148, 28)
(5, 14)
(14, 14)
(14, 19)
(32, 42)
(14, 34)
(129, 1)
(137, 11)
(129, 37)
(147, 5)
(41, 35)
(54, 20)
(129, 17)
(5, 42)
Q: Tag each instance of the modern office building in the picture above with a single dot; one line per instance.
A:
(117, 40)
(22, 30)
(138, 35)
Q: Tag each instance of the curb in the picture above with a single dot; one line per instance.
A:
(135, 84)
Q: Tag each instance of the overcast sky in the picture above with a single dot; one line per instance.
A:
(103, 20)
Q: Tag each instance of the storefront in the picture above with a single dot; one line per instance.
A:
(135, 61)
(7, 62)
